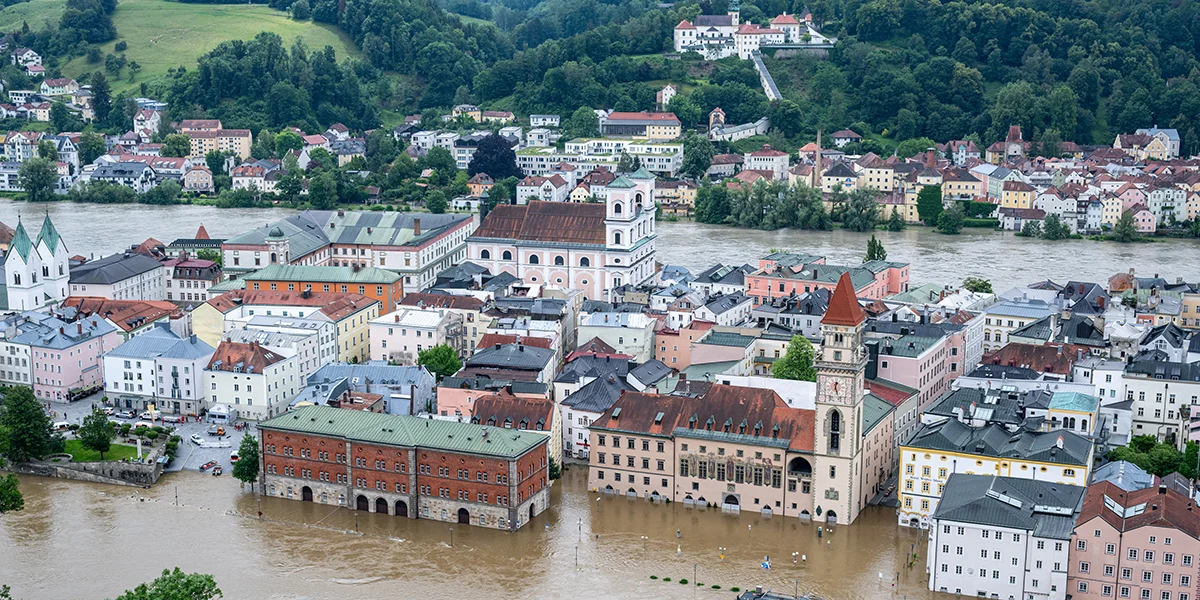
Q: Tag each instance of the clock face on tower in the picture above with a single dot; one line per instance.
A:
(833, 390)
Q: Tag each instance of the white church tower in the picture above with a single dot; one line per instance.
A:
(36, 272)
(56, 267)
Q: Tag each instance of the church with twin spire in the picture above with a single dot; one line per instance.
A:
(36, 271)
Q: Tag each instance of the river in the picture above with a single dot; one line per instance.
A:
(1003, 258)
(91, 541)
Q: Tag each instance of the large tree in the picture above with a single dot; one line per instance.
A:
(1125, 229)
(875, 250)
(246, 468)
(861, 212)
(929, 204)
(583, 123)
(91, 146)
(494, 156)
(97, 433)
(11, 499)
(101, 96)
(38, 176)
(797, 362)
(26, 424)
(441, 360)
(697, 156)
(176, 145)
(951, 220)
(978, 285)
(175, 585)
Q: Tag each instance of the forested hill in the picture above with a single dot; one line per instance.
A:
(902, 69)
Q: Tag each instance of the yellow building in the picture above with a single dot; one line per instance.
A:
(350, 314)
(236, 141)
(469, 111)
(675, 193)
(1017, 194)
(1114, 207)
(960, 184)
(875, 173)
(947, 447)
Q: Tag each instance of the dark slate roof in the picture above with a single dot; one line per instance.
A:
(488, 384)
(724, 274)
(1043, 508)
(723, 304)
(994, 405)
(512, 356)
(650, 372)
(1155, 369)
(111, 269)
(996, 441)
(598, 395)
(592, 366)
(1078, 329)
(1171, 333)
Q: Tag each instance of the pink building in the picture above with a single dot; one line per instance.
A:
(1143, 545)
(1143, 219)
(781, 275)
(456, 396)
(926, 363)
(675, 345)
(65, 357)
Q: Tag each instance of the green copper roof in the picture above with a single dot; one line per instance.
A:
(325, 274)
(49, 234)
(621, 183)
(641, 173)
(21, 242)
(407, 431)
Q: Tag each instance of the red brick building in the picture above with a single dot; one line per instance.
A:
(406, 466)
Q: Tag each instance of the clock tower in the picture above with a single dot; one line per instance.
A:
(837, 476)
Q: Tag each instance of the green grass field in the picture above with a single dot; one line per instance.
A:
(38, 13)
(116, 452)
(163, 34)
(475, 20)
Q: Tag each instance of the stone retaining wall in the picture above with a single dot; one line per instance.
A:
(109, 471)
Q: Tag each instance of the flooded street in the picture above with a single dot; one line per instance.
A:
(79, 540)
(100, 228)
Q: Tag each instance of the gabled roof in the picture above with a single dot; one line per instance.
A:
(562, 222)
(503, 409)
(512, 356)
(238, 357)
(1148, 507)
(1044, 509)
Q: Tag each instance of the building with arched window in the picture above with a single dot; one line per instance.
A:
(593, 247)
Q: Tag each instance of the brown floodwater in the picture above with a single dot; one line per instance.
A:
(88, 541)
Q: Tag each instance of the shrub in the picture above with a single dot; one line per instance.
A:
(125, 427)
(682, 582)
(152, 435)
(654, 577)
(735, 589)
(666, 579)
(716, 587)
(987, 223)
(121, 46)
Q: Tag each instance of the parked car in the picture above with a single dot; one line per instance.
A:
(61, 426)
(196, 439)
(108, 410)
(216, 430)
(127, 414)
(150, 415)
(233, 456)
(146, 424)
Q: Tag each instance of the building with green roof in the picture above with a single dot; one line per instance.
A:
(37, 270)
(407, 466)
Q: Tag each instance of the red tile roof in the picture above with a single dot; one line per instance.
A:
(503, 409)
(126, 314)
(202, 233)
(245, 357)
(333, 304)
(564, 222)
(843, 306)
(1046, 358)
(441, 301)
(491, 340)
(1164, 507)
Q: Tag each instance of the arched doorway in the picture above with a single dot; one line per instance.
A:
(531, 511)
(401, 509)
(914, 522)
(731, 499)
(381, 506)
(464, 517)
(306, 494)
(361, 503)
(830, 517)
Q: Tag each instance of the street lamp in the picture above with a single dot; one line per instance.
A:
(643, 542)
(451, 537)
(795, 557)
(722, 551)
(796, 588)
(580, 529)
(356, 521)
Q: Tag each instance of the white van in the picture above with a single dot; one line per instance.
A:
(61, 426)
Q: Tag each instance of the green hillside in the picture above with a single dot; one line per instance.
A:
(37, 13)
(163, 34)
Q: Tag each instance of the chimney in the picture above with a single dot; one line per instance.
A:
(1162, 490)
(416, 227)
(79, 327)
(396, 317)
(341, 213)
(682, 377)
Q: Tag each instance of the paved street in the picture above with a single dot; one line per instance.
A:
(191, 456)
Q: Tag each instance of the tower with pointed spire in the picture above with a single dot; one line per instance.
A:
(840, 366)
(36, 271)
